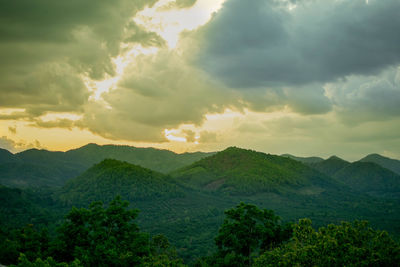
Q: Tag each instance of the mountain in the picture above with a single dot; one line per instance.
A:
(24, 175)
(105, 180)
(155, 159)
(188, 205)
(38, 168)
(371, 178)
(6, 156)
(241, 171)
(304, 159)
(388, 163)
(330, 166)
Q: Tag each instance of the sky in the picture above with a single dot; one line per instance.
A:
(305, 77)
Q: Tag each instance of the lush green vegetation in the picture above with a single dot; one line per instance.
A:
(188, 205)
(97, 236)
(347, 244)
(249, 236)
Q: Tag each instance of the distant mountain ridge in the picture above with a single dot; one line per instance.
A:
(364, 176)
(388, 163)
(40, 168)
(304, 159)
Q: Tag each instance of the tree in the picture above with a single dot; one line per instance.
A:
(245, 232)
(162, 254)
(347, 244)
(101, 236)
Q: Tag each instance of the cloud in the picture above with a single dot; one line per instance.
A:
(46, 47)
(12, 130)
(178, 4)
(14, 146)
(189, 135)
(316, 42)
(367, 98)
(58, 123)
(208, 137)
(156, 92)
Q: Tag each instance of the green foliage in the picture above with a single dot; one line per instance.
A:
(162, 254)
(21, 206)
(27, 240)
(245, 232)
(101, 236)
(347, 244)
(23, 261)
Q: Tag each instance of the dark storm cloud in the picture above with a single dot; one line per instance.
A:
(367, 98)
(263, 43)
(46, 46)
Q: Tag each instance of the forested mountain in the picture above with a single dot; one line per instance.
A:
(6, 156)
(370, 178)
(362, 176)
(330, 166)
(38, 168)
(241, 171)
(109, 178)
(188, 204)
(19, 207)
(304, 159)
(391, 164)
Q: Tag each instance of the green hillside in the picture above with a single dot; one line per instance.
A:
(111, 177)
(370, 178)
(388, 163)
(241, 171)
(330, 166)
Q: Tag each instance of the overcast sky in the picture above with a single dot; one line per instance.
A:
(306, 77)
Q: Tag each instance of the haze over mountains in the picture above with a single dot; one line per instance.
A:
(184, 195)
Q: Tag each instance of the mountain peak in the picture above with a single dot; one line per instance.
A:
(244, 171)
(388, 163)
(336, 158)
(110, 177)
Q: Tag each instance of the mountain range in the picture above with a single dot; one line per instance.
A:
(184, 195)
(42, 168)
